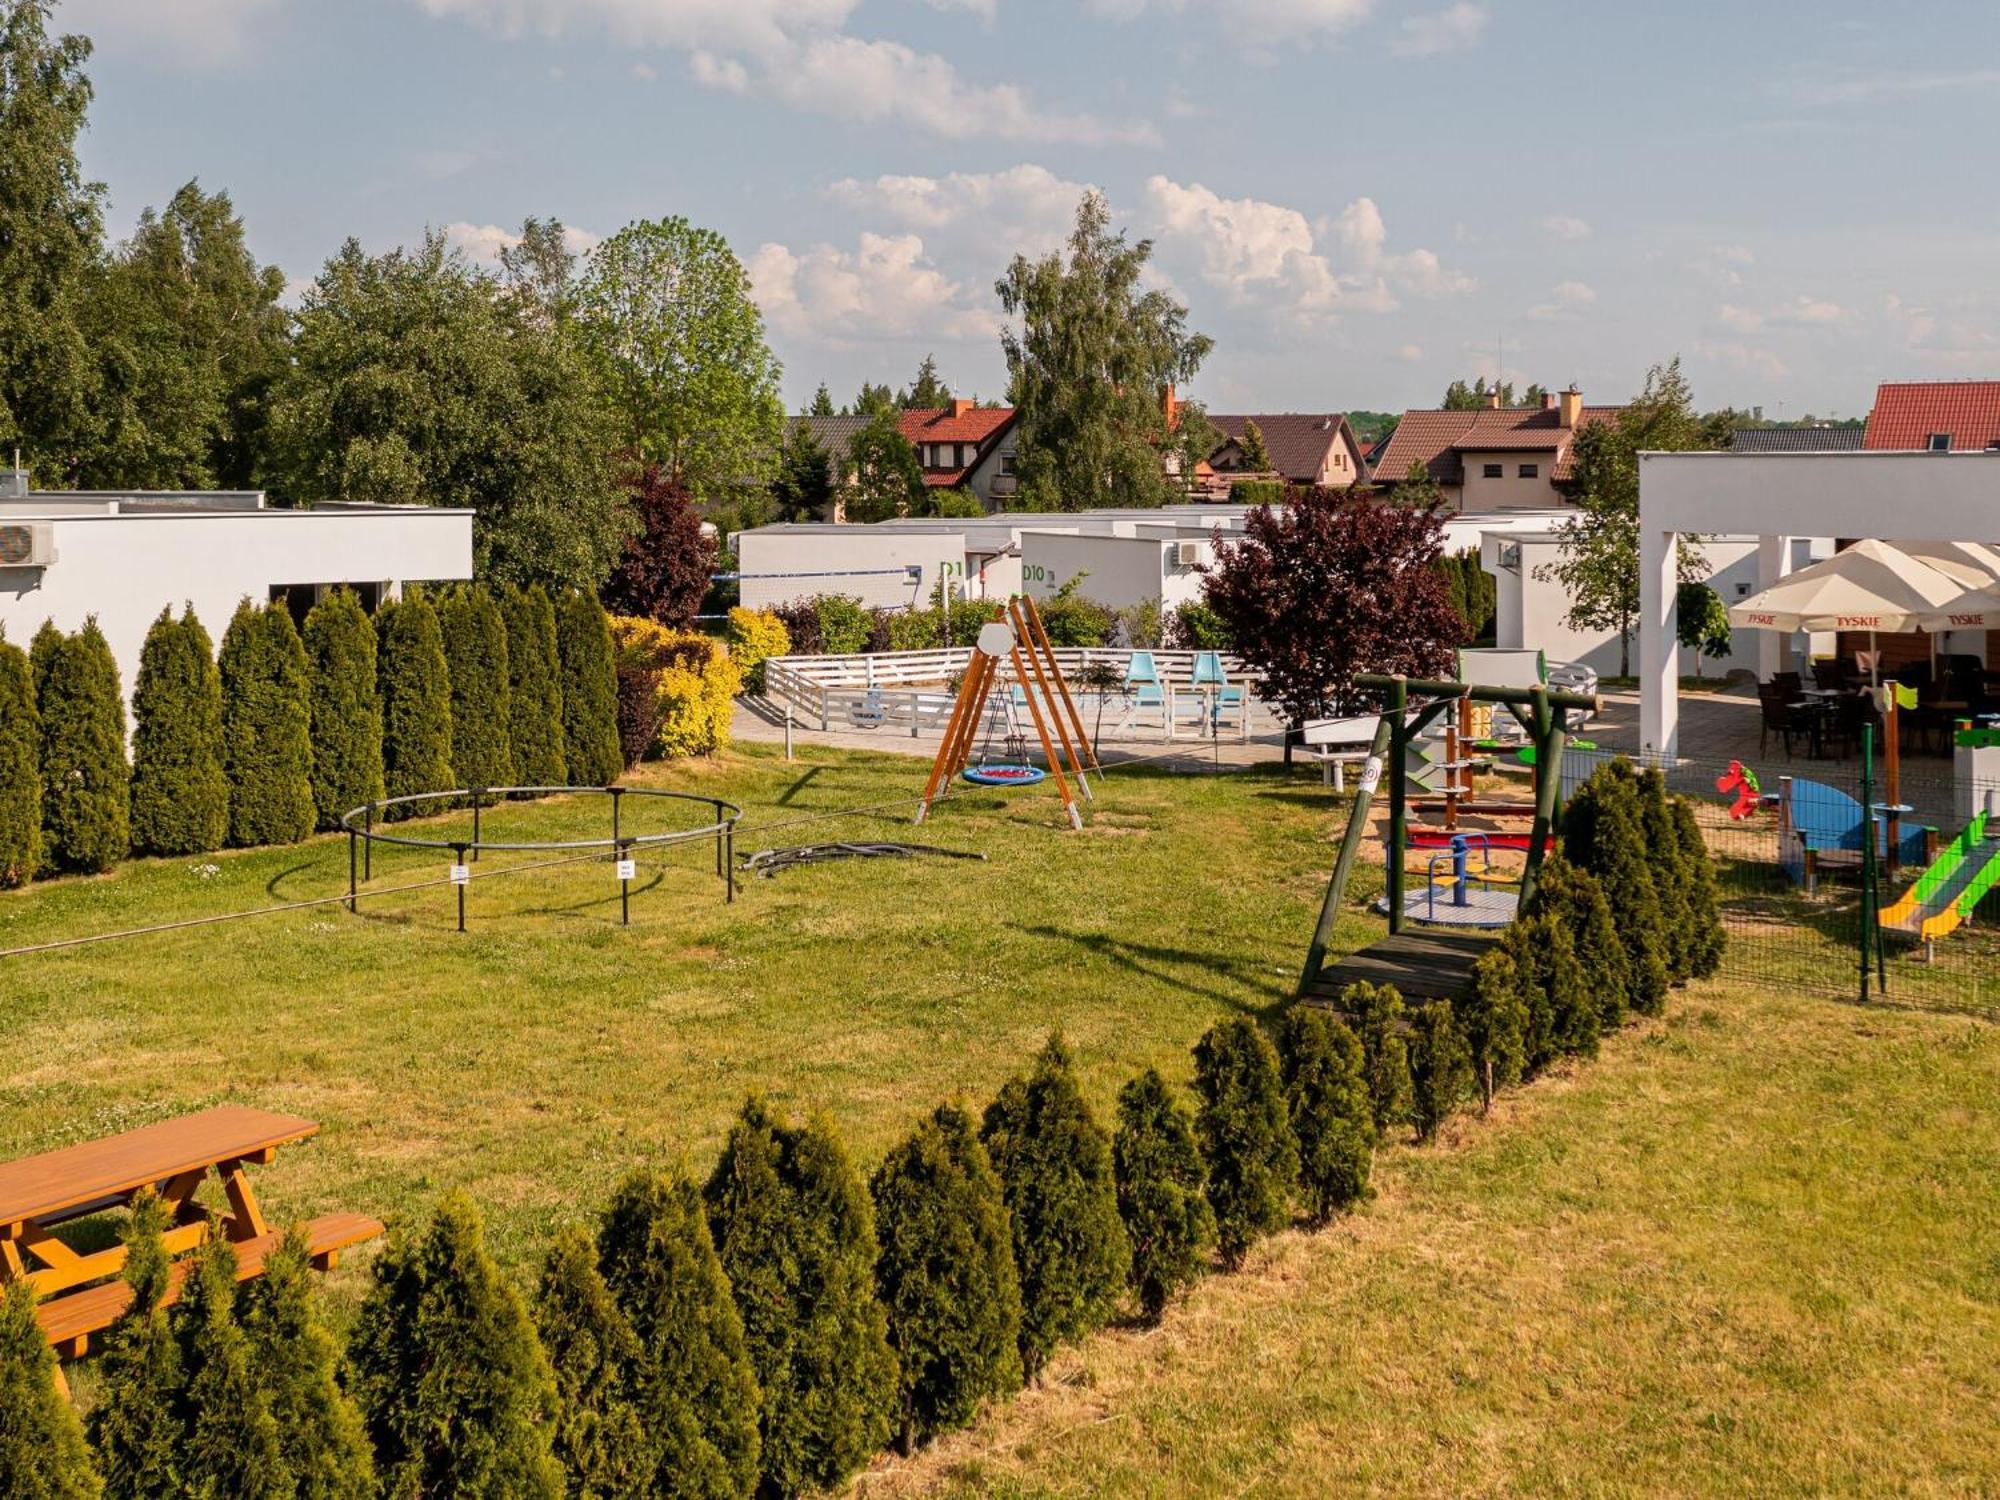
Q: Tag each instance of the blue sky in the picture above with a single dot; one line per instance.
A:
(1359, 199)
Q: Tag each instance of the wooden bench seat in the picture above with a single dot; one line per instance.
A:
(68, 1321)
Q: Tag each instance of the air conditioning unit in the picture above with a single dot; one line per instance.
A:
(25, 544)
(1187, 554)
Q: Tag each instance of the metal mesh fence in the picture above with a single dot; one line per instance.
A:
(1790, 849)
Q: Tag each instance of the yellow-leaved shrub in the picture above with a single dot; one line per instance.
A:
(675, 690)
(755, 634)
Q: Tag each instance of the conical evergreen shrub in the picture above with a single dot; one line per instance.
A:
(232, 1446)
(43, 1455)
(1378, 1022)
(1440, 1067)
(796, 1236)
(416, 703)
(180, 794)
(266, 728)
(589, 691)
(1332, 1116)
(1709, 939)
(20, 769)
(1604, 834)
(1557, 994)
(346, 706)
(600, 1440)
(86, 784)
(450, 1378)
(1054, 1162)
(945, 1275)
(1574, 899)
(1494, 1018)
(1162, 1192)
(534, 687)
(1671, 875)
(1246, 1135)
(136, 1426)
(297, 1360)
(475, 657)
(693, 1383)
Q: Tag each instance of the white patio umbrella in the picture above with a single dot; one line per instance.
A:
(1974, 564)
(1870, 586)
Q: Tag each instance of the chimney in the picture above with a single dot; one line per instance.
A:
(959, 407)
(1570, 404)
(1548, 400)
(1493, 397)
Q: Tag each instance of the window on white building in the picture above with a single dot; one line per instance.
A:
(1492, 471)
(1531, 471)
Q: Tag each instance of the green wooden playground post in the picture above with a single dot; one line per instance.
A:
(1397, 714)
(1350, 846)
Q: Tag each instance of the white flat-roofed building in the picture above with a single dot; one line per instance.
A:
(123, 556)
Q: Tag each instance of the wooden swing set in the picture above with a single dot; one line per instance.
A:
(1021, 639)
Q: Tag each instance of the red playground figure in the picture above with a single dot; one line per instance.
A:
(1741, 782)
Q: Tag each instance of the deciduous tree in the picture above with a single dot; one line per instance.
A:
(1089, 358)
(664, 572)
(1332, 585)
(51, 231)
(668, 311)
(888, 481)
(419, 380)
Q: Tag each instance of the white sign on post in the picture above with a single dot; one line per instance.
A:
(1371, 774)
(628, 869)
(461, 875)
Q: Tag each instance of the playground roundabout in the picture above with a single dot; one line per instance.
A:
(628, 832)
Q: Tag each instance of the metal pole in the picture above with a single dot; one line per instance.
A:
(1399, 813)
(624, 891)
(475, 822)
(729, 864)
(1867, 847)
(616, 793)
(368, 851)
(788, 730)
(352, 840)
(459, 851)
(1350, 846)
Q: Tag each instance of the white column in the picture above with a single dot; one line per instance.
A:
(1659, 675)
(1774, 648)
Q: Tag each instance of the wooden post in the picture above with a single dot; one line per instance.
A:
(1040, 636)
(1049, 750)
(1041, 685)
(1399, 813)
(971, 688)
(1350, 847)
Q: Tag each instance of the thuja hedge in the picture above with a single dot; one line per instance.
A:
(769, 1332)
(284, 732)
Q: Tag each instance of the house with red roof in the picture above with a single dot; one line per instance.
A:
(1305, 448)
(1493, 457)
(1935, 416)
(964, 446)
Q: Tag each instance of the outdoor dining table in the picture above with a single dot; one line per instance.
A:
(173, 1158)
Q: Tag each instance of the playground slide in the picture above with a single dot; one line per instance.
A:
(1945, 894)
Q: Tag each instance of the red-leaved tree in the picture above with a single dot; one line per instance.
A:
(665, 569)
(1329, 585)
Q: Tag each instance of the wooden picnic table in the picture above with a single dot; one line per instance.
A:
(173, 1158)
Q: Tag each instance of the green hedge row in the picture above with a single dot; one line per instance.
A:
(282, 732)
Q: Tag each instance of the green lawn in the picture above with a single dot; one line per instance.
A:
(1753, 1248)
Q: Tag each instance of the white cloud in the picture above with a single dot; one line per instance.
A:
(1748, 359)
(1567, 300)
(1410, 354)
(1870, 86)
(199, 33)
(795, 51)
(876, 81)
(1939, 341)
(1723, 264)
(984, 9)
(482, 243)
(1800, 312)
(1026, 208)
(885, 290)
(1269, 255)
(645, 72)
(1285, 17)
(1565, 227)
(1456, 28)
